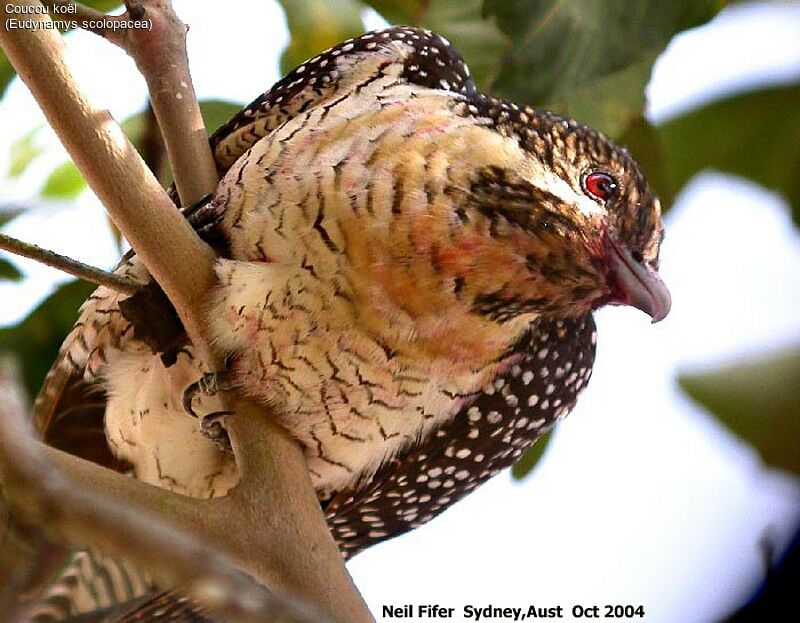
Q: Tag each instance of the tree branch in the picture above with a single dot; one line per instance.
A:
(65, 507)
(68, 265)
(275, 500)
(87, 15)
(271, 524)
(115, 172)
(160, 55)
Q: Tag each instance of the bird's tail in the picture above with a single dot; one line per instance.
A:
(90, 581)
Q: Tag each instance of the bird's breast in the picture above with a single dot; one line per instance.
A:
(337, 302)
(352, 396)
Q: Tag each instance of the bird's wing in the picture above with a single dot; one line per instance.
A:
(409, 55)
(92, 581)
(68, 412)
(553, 362)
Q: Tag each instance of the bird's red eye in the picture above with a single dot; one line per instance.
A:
(600, 186)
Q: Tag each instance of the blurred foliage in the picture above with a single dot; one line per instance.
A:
(316, 25)
(35, 341)
(767, 121)
(9, 272)
(644, 141)
(65, 182)
(8, 214)
(530, 458)
(7, 71)
(23, 152)
(463, 24)
(590, 59)
(758, 400)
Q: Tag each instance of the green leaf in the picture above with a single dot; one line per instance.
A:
(23, 152)
(315, 25)
(7, 71)
(217, 112)
(756, 399)
(525, 464)
(622, 101)
(9, 272)
(460, 21)
(105, 6)
(753, 135)
(65, 182)
(588, 58)
(36, 340)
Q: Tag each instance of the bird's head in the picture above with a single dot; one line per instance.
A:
(573, 216)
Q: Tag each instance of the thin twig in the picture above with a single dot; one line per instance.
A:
(160, 55)
(68, 265)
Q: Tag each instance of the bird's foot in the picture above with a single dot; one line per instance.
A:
(211, 424)
(210, 384)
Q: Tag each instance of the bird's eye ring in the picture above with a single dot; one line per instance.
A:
(600, 186)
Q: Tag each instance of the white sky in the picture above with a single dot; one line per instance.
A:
(642, 498)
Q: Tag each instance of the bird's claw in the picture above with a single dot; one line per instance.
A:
(212, 427)
(210, 384)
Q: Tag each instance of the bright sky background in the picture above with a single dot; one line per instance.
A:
(642, 498)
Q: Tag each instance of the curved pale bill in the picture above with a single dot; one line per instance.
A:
(639, 284)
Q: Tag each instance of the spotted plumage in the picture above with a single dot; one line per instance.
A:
(510, 414)
(408, 273)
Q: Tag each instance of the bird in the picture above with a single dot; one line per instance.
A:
(407, 275)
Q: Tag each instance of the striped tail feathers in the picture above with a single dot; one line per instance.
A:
(90, 581)
(68, 413)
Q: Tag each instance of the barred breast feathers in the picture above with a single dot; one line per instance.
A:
(429, 61)
(331, 278)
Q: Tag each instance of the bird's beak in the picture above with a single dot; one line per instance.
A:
(638, 284)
